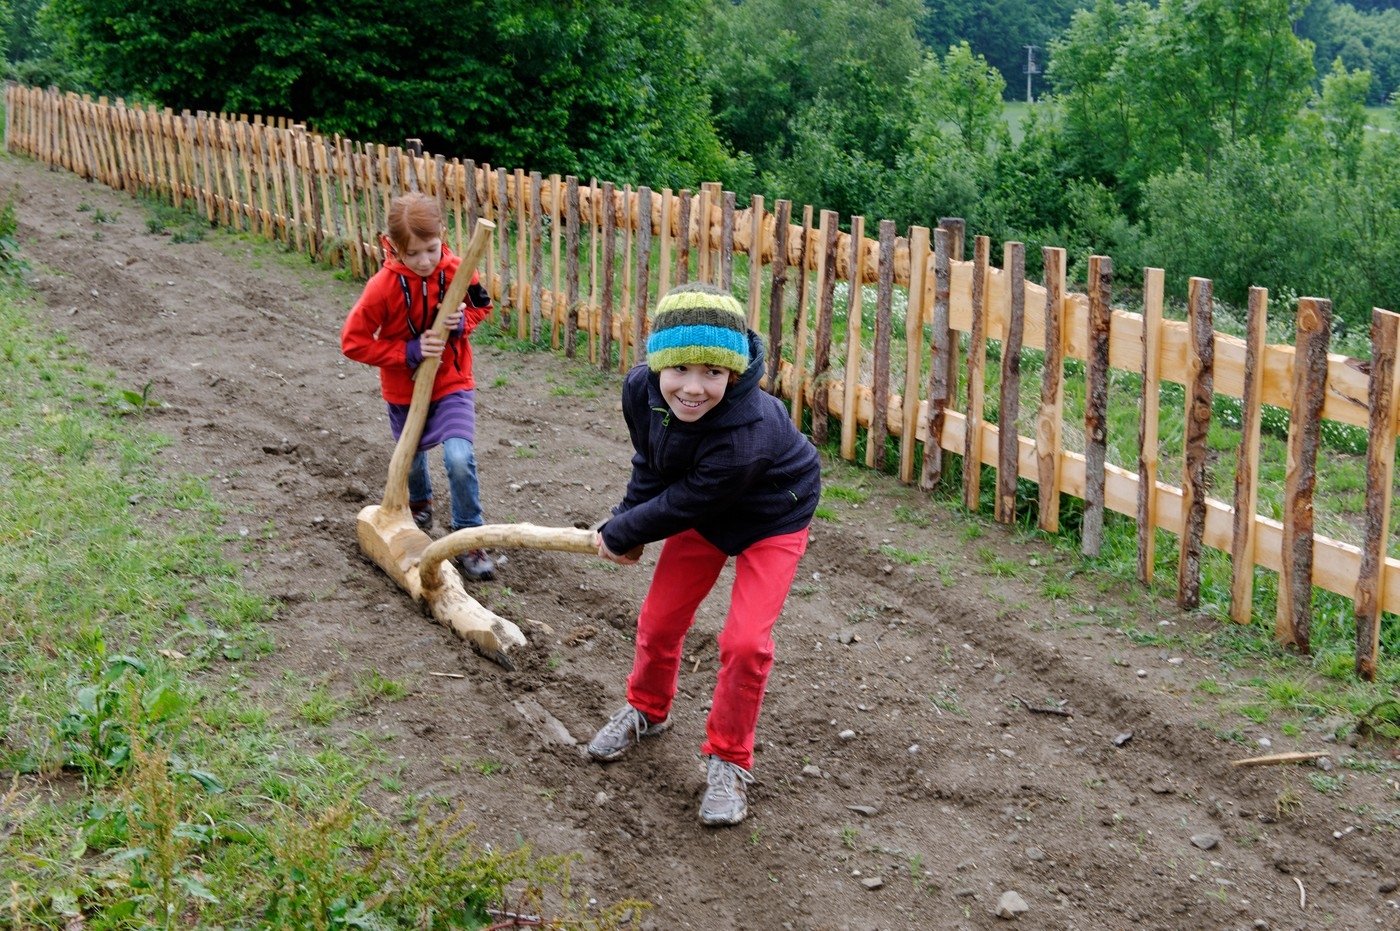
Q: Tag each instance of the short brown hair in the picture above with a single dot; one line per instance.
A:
(413, 215)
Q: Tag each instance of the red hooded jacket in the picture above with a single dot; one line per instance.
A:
(398, 305)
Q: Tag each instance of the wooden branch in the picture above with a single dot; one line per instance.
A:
(1274, 759)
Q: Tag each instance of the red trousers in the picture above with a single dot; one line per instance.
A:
(685, 572)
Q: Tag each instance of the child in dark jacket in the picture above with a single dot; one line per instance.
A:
(719, 470)
(390, 327)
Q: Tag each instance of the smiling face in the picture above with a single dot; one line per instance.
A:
(420, 255)
(692, 391)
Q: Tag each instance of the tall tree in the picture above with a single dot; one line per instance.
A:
(558, 85)
(1173, 83)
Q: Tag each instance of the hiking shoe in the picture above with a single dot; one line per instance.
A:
(422, 515)
(726, 801)
(475, 564)
(623, 730)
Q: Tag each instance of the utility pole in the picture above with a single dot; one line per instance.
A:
(1032, 69)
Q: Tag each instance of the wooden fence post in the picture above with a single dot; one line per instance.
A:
(776, 292)
(1242, 539)
(821, 352)
(941, 353)
(1200, 395)
(799, 320)
(1049, 416)
(1009, 408)
(1153, 280)
(851, 393)
(1294, 622)
(536, 258)
(1096, 402)
(605, 322)
(1380, 467)
(976, 375)
(913, 349)
(878, 431)
(571, 270)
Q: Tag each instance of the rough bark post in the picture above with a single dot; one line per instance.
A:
(940, 351)
(878, 431)
(805, 255)
(624, 331)
(1293, 625)
(1148, 422)
(683, 243)
(704, 265)
(976, 375)
(536, 258)
(1244, 531)
(1009, 409)
(571, 272)
(1200, 395)
(508, 302)
(595, 324)
(821, 351)
(527, 310)
(726, 241)
(755, 259)
(605, 323)
(850, 400)
(1380, 466)
(1050, 415)
(1096, 402)
(668, 217)
(777, 291)
(556, 239)
(639, 325)
(913, 350)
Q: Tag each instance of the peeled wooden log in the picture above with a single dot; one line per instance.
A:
(423, 567)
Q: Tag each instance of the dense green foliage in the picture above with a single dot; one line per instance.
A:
(1221, 138)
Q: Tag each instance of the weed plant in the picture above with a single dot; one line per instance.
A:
(143, 785)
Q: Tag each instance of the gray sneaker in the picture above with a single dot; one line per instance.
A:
(726, 800)
(623, 729)
(476, 565)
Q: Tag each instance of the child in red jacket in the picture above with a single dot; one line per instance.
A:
(390, 327)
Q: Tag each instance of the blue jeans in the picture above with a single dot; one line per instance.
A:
(459, 459)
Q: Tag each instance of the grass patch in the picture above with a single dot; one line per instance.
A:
(146, 786)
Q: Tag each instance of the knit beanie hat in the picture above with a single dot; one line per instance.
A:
(698, 324)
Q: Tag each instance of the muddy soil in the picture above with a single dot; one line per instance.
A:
(910, 771)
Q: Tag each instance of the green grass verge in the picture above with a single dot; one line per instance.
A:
(142, 784)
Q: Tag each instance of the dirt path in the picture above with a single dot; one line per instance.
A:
(902, 782)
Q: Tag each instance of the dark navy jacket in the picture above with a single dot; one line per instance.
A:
(739, 474)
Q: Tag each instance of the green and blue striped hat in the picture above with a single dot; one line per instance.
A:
(699, 324)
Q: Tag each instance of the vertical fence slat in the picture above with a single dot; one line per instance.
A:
(726, 241)
(1009, 408)
(624, 330)
(799, 318)
(850, 399)
(683, 243)
(1242, 539)
(940, 359)
(639, 326)
(976, 375)
(913, 350)
(1050, 414)
(571, 273)
(777, 291)
(1200, 395)
(508, 303)
(1153, 280)
(755, 259)
(526, 309)
(1096, 402)
(668, 216)
(556, 236)
(1380, 469)
(821, 350)
(1294, 622)
(593, 225)
(536, 257)
(605, 324)
(878, 432)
